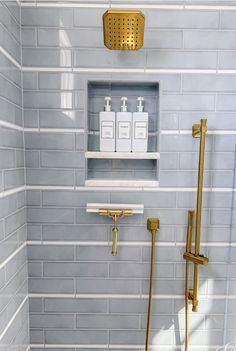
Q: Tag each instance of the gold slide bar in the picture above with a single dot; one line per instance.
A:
(198, 131)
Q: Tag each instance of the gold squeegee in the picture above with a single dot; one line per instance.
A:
(123, 29)
(115, 212)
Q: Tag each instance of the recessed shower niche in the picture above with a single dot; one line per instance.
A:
(122, 168)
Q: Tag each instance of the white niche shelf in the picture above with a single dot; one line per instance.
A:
(123, 155)
(122, 169)
(121, 183)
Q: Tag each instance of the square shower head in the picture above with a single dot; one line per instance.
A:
(123, 29)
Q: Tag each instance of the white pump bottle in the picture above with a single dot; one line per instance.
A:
(140, 128)
(107, 119)
(123, 128)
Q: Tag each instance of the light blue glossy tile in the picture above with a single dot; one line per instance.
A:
(49, 141)
(181, 59)
(47, 17)
(41, 57)
(52, 253)
(62, 119)
(76, 336)
(28, 37)
(14, 178)
(50, 177)
(48, 215)
(56, 321)
(47, 100)
(70, 38)
(62, 159)
(180, 19)
(77, 269)
(44, 285)
(75, 305)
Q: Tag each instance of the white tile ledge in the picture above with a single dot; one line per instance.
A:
(120, 183)
(6, 193)
(104, 4)
(10, 57)
(128, 70)
(88, 188)
(99, 188)
(117, 346)
(128, 296)
(13, 318)
(122, 243)
(10, 257)
(123, 155)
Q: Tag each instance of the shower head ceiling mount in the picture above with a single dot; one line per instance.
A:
(123, 29)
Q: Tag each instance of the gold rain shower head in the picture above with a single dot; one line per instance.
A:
(123, 29)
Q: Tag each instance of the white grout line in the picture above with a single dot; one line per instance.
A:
(210, 7)
(176, 347)
(126, 5)
(6, 193)
(65, 4)
(81, 130)
(189, 132)
(227, 71)
(36, 295)
(128, 296)
(54, 130)
(180, 70)
(165, 189)
(11, 125)
(122, 243)
(46, 69)
(110, 70)
(9, 57)
(118, 346)
(48, 187)
(128, 70)
(68, 346)
(9, 258)
(13, 317)
(12, 191)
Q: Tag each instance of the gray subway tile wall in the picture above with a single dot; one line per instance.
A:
(99, 299)
(14, 326)
(81, 297)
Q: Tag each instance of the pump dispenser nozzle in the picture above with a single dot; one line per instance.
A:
(124, 105)
(140, 104)
(107, 106)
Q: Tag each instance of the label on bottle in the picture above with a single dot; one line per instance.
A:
(124, 130)
(140, 130)
(107, 130)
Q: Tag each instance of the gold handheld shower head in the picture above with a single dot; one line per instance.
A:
(123, 29)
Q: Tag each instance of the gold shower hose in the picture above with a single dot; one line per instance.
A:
(188, 250)
(152, 226)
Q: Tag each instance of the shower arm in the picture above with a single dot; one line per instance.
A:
(198, 131)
